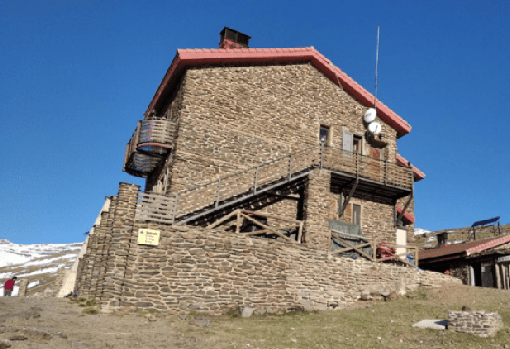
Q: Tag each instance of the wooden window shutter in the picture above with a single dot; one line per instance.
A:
(347, 141)
(348, 213)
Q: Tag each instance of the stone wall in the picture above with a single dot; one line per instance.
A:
(236, 117)
(480, 322)
(460, 270)
(212, 271)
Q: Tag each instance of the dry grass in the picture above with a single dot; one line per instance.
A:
(379, 325)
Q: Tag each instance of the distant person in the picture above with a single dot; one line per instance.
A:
(9, 286)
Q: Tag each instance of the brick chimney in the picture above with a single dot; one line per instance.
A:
(230, 38)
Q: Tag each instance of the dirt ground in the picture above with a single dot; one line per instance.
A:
(59, 323)
(36, 322)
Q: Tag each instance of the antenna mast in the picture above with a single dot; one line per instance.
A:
(376, 66)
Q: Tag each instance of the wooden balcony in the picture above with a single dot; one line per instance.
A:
(150, 143)
(375, 177)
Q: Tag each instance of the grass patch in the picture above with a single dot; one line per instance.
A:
(90, 311)
(149, 311)
(382, 325)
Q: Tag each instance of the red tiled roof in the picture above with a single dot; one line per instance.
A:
(193, 57)
(407, 216)
(466, 249)
(418, 175)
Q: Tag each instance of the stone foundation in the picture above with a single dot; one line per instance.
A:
(212, 271)
(478, 322)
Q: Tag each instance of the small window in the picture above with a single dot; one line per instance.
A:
(356, 144)
(356, 214)
(324, 134)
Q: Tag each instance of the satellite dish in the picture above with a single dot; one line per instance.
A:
(370, 115)
(374, 128)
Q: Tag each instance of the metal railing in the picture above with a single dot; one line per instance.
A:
(266, 176)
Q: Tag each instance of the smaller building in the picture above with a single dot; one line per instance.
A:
(483, 263)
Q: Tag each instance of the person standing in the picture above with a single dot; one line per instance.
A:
(9, 286)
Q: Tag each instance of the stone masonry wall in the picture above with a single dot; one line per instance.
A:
(236, 117)
(321, 205)
(479, 322)
(460, 271)
(213, 271)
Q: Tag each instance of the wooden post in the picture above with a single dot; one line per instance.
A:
(498, 276)
(507, 273)
(256, 179)
(321, 155)
(417, 257)
(218, 194)
(238, 221)
(385, 171)
(507, 267)
(300, 233)
(175, 208)
(290, 166)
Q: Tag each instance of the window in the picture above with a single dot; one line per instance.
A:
(356, 144)
(324, 134)
(352, 143)
(442, 239)
(356, 214)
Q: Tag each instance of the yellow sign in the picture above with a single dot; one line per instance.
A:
(148, 237)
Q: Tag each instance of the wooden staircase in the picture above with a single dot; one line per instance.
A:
(229, 192)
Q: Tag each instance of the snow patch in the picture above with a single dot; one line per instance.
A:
(33, 284)
(50, 260)
(420, 231)
(16, 254)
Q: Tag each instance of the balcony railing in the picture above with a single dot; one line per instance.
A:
(366, 167)
(151, 141)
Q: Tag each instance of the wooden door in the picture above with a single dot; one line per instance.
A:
(374, 167)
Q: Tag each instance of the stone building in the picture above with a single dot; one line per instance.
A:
(252, 158)
(220, 115)
(483, 263)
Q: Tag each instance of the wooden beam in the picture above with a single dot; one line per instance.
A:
(342, 250)
(300, 233)
(219, 221)
(351, 193)
(352, 235)
(286, 197)
(399, 219)
(354, 248)
(263, 214)
(269, 228)
(239, 221)
(258, 232)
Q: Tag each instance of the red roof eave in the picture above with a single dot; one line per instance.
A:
(190, 57)
(490, 244)
(418, 175)
(464, 249)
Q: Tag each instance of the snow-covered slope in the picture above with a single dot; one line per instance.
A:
(420, 231)
(35, 262)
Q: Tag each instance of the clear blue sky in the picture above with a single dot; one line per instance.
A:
(75, 76)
